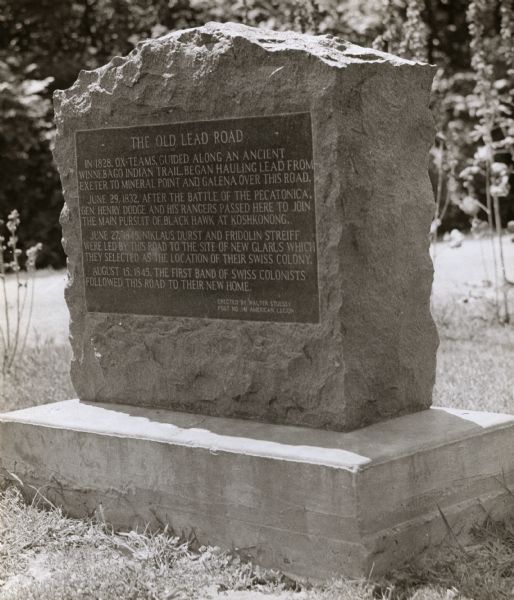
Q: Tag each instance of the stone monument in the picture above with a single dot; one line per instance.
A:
(246, 225)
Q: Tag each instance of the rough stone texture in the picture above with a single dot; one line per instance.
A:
(373, 354)
(311, 502)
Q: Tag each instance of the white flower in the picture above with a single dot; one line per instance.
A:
(498, 168)
(469, 205)
(498, 191)
(483, 154)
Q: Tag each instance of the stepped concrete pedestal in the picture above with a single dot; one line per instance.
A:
(310, 502)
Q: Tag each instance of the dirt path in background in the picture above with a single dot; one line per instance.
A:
(459, 271)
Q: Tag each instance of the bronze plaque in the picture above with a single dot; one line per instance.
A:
(210, 219)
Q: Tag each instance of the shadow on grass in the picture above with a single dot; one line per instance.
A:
(483, 570)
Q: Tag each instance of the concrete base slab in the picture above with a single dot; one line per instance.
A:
(315, 503)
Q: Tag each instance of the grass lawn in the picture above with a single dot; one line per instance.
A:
(45, 556)
(475, 360)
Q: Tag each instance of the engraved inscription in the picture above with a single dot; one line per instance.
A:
(212, 219)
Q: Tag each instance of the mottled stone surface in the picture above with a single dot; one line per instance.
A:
(372, 356)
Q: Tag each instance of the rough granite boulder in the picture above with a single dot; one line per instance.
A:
(372, 354)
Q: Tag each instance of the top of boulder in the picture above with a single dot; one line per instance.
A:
(221, 39)
(328, 48)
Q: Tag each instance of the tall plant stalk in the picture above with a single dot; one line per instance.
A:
(492, 115)
(492, 234)
(15, 328)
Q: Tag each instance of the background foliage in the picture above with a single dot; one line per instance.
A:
(44, 44)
